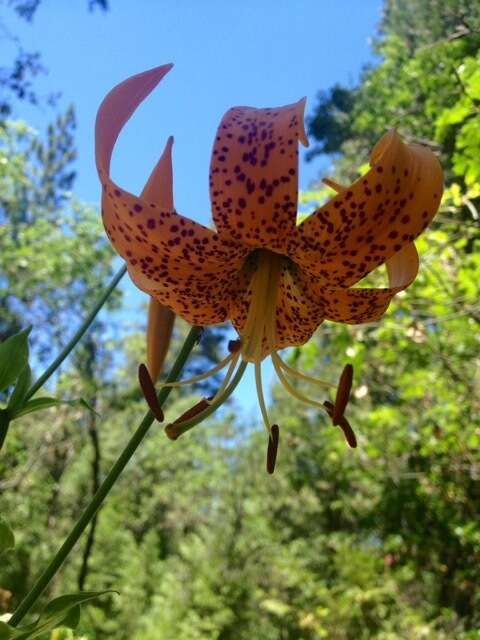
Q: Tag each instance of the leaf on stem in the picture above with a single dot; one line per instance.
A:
(13, 357)
(22, 386)
(39, 404)
(63, 611)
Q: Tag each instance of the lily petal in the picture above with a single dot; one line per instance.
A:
(297, 313)
(159, 333)
(200, 299)
(159, 189)
(373, 219)
(159, 186)
(160, 246)
(254, 174)
(358, 305)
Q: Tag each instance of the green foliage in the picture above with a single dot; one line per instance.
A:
(378, 543)
(7, 539)
(13, 358)
(62, 611)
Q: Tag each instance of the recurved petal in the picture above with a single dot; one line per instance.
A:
(356, 305)
(374, 218)
(159, 186)
(199, 298)
(116, 109)
(254, 174)
(158, 244)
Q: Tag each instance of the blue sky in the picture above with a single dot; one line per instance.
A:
(251, 52)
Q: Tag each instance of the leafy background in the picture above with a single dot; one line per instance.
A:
(380, 543)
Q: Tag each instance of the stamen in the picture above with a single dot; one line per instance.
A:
(261, 399)
(254, 328)
(190, 413)
(343, 424)
(263, 299)
(228, 377)
(343, 393)
(272, 448)
(294, 392)
(203, 376)
(176, 429)
(333, 185)
(148, 388)
(298, 374)
(234, 346)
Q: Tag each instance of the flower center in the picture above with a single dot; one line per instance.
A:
(260, 326)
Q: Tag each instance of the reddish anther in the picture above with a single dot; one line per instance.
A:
(149, 392)
(272, 448)
(343, 394)
(348, 432)
(343, 424)
(171, 429)
(234, 346)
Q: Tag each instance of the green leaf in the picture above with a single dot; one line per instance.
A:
(62, 611)
(23, 384)
(6, 632)
(39, 404)
(7, 539)
(13, 357)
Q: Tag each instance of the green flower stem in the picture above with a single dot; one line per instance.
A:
(105, 487)
(177, 429)
(78, 335)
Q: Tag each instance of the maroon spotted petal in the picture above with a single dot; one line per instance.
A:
(254, 174)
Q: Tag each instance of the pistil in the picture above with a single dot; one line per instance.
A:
(263, 300)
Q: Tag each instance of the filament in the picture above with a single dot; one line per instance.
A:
(291, 389)
(261, 399)
(228, 377)
(203, 376)
(298, 374)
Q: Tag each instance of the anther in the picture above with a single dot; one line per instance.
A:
(334, 185)
(234, 346)
(344, 425)
(343, 394)
(171, 429)
(149, 392)
(348, 432)
(272, 448)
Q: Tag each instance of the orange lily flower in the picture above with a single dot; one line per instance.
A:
(274, 279)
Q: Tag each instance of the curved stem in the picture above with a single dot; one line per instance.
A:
(105, 487)
(78, 335)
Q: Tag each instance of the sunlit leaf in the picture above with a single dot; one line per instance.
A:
(22, 386)
(39, 404)
(13, 357)
(62, 611)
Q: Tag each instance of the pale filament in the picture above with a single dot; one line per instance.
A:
(298, 374)
(228, 377)
(203, 376)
